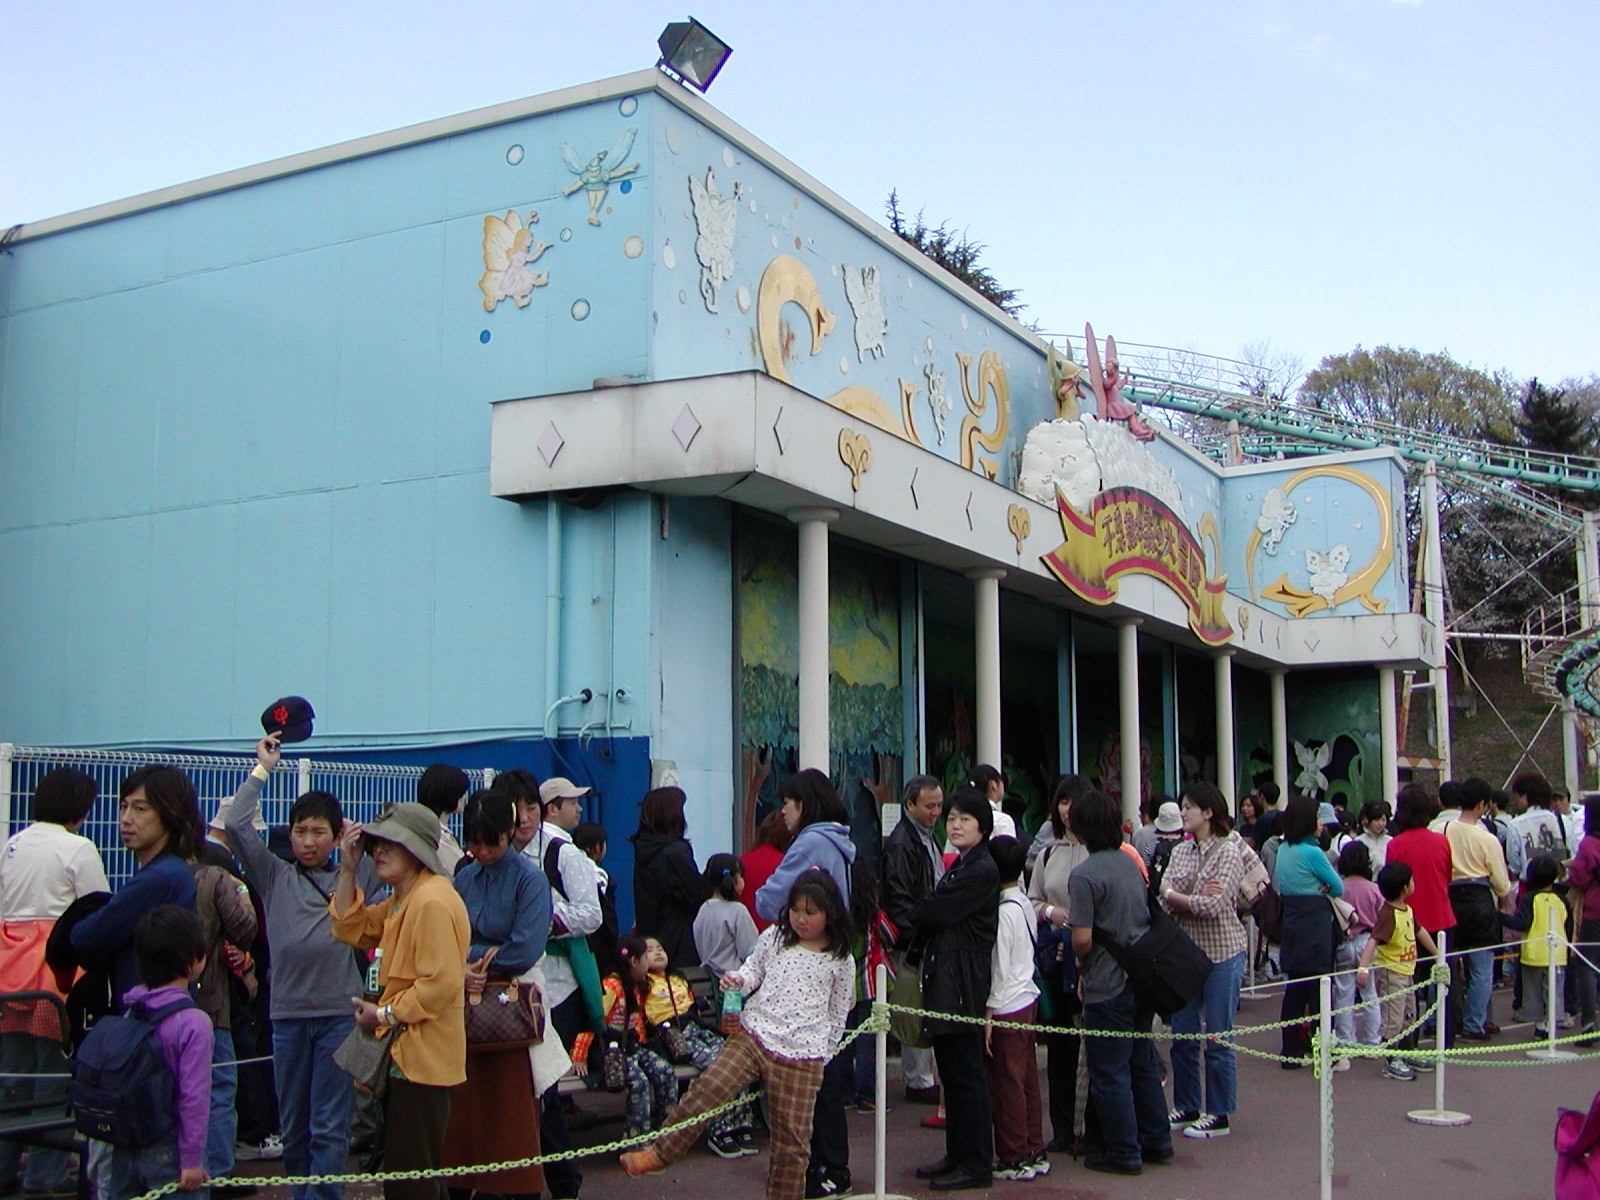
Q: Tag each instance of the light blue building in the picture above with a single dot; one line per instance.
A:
(514, 438)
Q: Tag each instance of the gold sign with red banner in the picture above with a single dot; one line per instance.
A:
(1130, 532)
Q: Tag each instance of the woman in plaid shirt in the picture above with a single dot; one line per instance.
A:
(1200, 889)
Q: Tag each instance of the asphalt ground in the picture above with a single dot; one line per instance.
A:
(1505, 1153)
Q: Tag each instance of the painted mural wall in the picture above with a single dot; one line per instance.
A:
(865, 698)
(1334, 741)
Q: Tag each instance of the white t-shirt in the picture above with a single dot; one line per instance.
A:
(1004, 824)
(1011, 983)
(44, 869)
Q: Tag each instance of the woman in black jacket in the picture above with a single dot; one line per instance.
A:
(955, 935)
(667, 887)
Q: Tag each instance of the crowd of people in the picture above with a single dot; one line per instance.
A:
(378, 955)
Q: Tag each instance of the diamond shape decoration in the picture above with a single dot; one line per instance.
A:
(1389, 638)
(1312, 642)
(550, 443)
(686, 428)
(970, 525)
(779, 433)
(916, 502)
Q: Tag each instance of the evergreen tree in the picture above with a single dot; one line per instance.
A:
(956, 253)
(1549, 420)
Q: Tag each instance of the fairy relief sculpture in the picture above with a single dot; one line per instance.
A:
(594, 176)
(508, 249)
(864, 290)
(714, 216)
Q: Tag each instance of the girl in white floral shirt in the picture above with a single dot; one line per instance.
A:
(801, 983)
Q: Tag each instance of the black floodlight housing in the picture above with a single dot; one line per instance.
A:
(691, 53)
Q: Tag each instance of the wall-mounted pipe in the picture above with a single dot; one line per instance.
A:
(582, 697)
(552, 605)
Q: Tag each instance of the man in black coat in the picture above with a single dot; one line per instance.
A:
(913, 863)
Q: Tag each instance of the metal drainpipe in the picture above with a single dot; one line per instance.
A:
(552, 607)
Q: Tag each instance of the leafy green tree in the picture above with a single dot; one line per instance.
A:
(1428, 392)
(956, 253)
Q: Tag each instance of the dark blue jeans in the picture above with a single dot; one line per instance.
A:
(315, 1099)
(1125, 1081)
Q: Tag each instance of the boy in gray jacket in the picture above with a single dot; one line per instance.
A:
(312, 976)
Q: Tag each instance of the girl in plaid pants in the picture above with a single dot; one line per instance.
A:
(801, 983)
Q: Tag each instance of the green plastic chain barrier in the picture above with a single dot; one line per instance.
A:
(876, 1022)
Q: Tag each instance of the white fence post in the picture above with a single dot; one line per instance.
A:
(1439, 1114)
(7, 750)
(304, 766)
(1325, 1085)
(1553, 1008)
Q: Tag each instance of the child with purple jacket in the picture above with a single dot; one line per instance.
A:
(171, 948)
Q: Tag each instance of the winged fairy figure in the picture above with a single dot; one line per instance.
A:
(508, 249)
(595, 175)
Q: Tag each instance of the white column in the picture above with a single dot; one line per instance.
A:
(1280, 732)
(1227, 773)
(986, 626)
(1433, 609)
(1128, 695)
(1388, 737)
(813, 523)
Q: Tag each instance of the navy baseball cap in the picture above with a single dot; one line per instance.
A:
(290, 718)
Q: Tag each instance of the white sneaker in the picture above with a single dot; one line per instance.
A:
(1341, 1064)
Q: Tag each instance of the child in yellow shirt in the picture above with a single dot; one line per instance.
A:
(1394, 949)
(1541, 918)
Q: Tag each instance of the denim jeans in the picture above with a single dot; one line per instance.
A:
(137, 1170)
(1125, 1081)
(315, 1099)
(47, 1170)
(1213, 1013)
(1477, 967)
(1362, 1026)
(223, 1126)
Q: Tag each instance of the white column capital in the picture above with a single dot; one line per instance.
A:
(1120, 622)
(978, 573)
(800, 515)
(1222, 652)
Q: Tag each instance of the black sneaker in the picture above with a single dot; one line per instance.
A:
(725, 1145)
(747, 1142)
(1209, 1126)
(825, 1185)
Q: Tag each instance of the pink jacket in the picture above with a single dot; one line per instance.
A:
(1584, 872)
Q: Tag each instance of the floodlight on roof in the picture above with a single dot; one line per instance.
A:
(691, 53)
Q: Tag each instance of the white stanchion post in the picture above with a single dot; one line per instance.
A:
(1325, 1084)
(880, 1117)
(1252, 946)
(1439, 1114)
(1554, 1006)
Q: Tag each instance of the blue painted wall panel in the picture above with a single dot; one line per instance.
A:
(119, 398)
(37, 425)
(289, 399)
(115, 595)
(124, 254)
(208, 234)
(190, 627)
(389, 365)
(396, 190)
(297, 212)
(35, 592)
(693, 625)
(282, 595)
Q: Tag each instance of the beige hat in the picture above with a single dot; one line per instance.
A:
(259, 822)
(558, 788)
(412, 826)
(1169, 818)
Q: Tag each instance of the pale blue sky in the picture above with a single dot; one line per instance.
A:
(1315, 174)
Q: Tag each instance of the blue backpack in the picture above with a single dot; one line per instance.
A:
(122, 1089)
